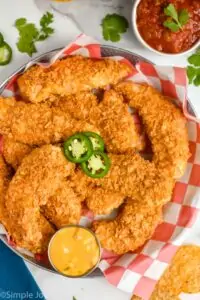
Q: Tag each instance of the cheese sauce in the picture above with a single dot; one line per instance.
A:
(74, 251)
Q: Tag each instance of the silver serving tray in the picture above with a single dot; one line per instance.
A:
(106, 51)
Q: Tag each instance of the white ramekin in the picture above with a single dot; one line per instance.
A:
(142, 41)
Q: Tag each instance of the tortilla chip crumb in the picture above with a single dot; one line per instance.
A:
(183, 275)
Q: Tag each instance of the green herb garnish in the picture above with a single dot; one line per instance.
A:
(29, 33)
(74, 298)
(113, 26)
(176, 19)
(193, 70)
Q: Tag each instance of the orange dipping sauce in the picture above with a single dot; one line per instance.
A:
(74, 251)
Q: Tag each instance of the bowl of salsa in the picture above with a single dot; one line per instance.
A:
(167, 27)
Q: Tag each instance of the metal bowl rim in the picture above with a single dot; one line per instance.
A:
(2, 86)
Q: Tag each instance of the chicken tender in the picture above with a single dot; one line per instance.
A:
(138, 179)
(133, 226)
(38, 178)
(81, 106)
(69, 76)
(102, 202)
(5, 177)
(63, 207)
(148, 183)
(33, 124)
(111, 116)
(14, 152)
(117, 126)
(164, 124)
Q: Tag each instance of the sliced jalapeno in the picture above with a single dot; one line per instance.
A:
(5, 54)
(78, 148)
(97, 165)
(97, 141)
(1, 39)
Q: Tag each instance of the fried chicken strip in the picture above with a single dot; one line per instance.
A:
(63, 207)
(134, 225)
(147, 183)
(33, 124)
(39, 178)
(111, 116)
(14, 152)
(102, 202)
(5, 177)
(69, 76)
(117, 126)
(164, 124)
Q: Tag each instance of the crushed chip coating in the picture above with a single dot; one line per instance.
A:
(183, 275)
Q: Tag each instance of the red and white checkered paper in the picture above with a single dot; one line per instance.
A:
(139, 272)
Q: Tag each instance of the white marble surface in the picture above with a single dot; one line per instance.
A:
(90, 13)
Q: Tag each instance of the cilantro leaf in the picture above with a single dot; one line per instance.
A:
(114, 25)
(20, 22)
(29, 33)
(176, 19)
(183, 16)
(194, 60)
(171, 25)
(111, 35)
(45, 30)
(171, 11)
(197, 80)
(26, 47)
(193, 71)
(46, 19)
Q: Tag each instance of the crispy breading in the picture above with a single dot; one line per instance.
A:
(149, 184)
(164, 124)
(111, 116)
(14, 152)
(133, 226)
(81, 106)
(138, 179)
(183, 274)
(102, 202)
(69, 76)
(37, 179)
(33, 124)
(117, 126)
(5, 177)
(63, 207)
(159, 296)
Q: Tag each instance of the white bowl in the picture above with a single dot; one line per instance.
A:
(142, 41)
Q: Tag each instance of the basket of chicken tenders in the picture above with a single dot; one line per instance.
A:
(97, 137)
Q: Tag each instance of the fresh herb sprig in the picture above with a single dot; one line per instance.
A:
(193, 70)
(29, 34)
(177, 19)
(113, 26)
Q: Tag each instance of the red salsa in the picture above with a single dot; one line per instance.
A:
(150, 19)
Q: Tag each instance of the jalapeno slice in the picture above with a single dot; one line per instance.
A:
(97, 165)
(5, 54)
(97, 141)
(1, 39)
(78, 148)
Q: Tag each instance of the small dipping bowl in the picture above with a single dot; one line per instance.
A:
(74, 251)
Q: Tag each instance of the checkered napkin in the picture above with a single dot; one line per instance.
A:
(139, 272)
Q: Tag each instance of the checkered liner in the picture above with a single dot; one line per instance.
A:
(139, 272)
